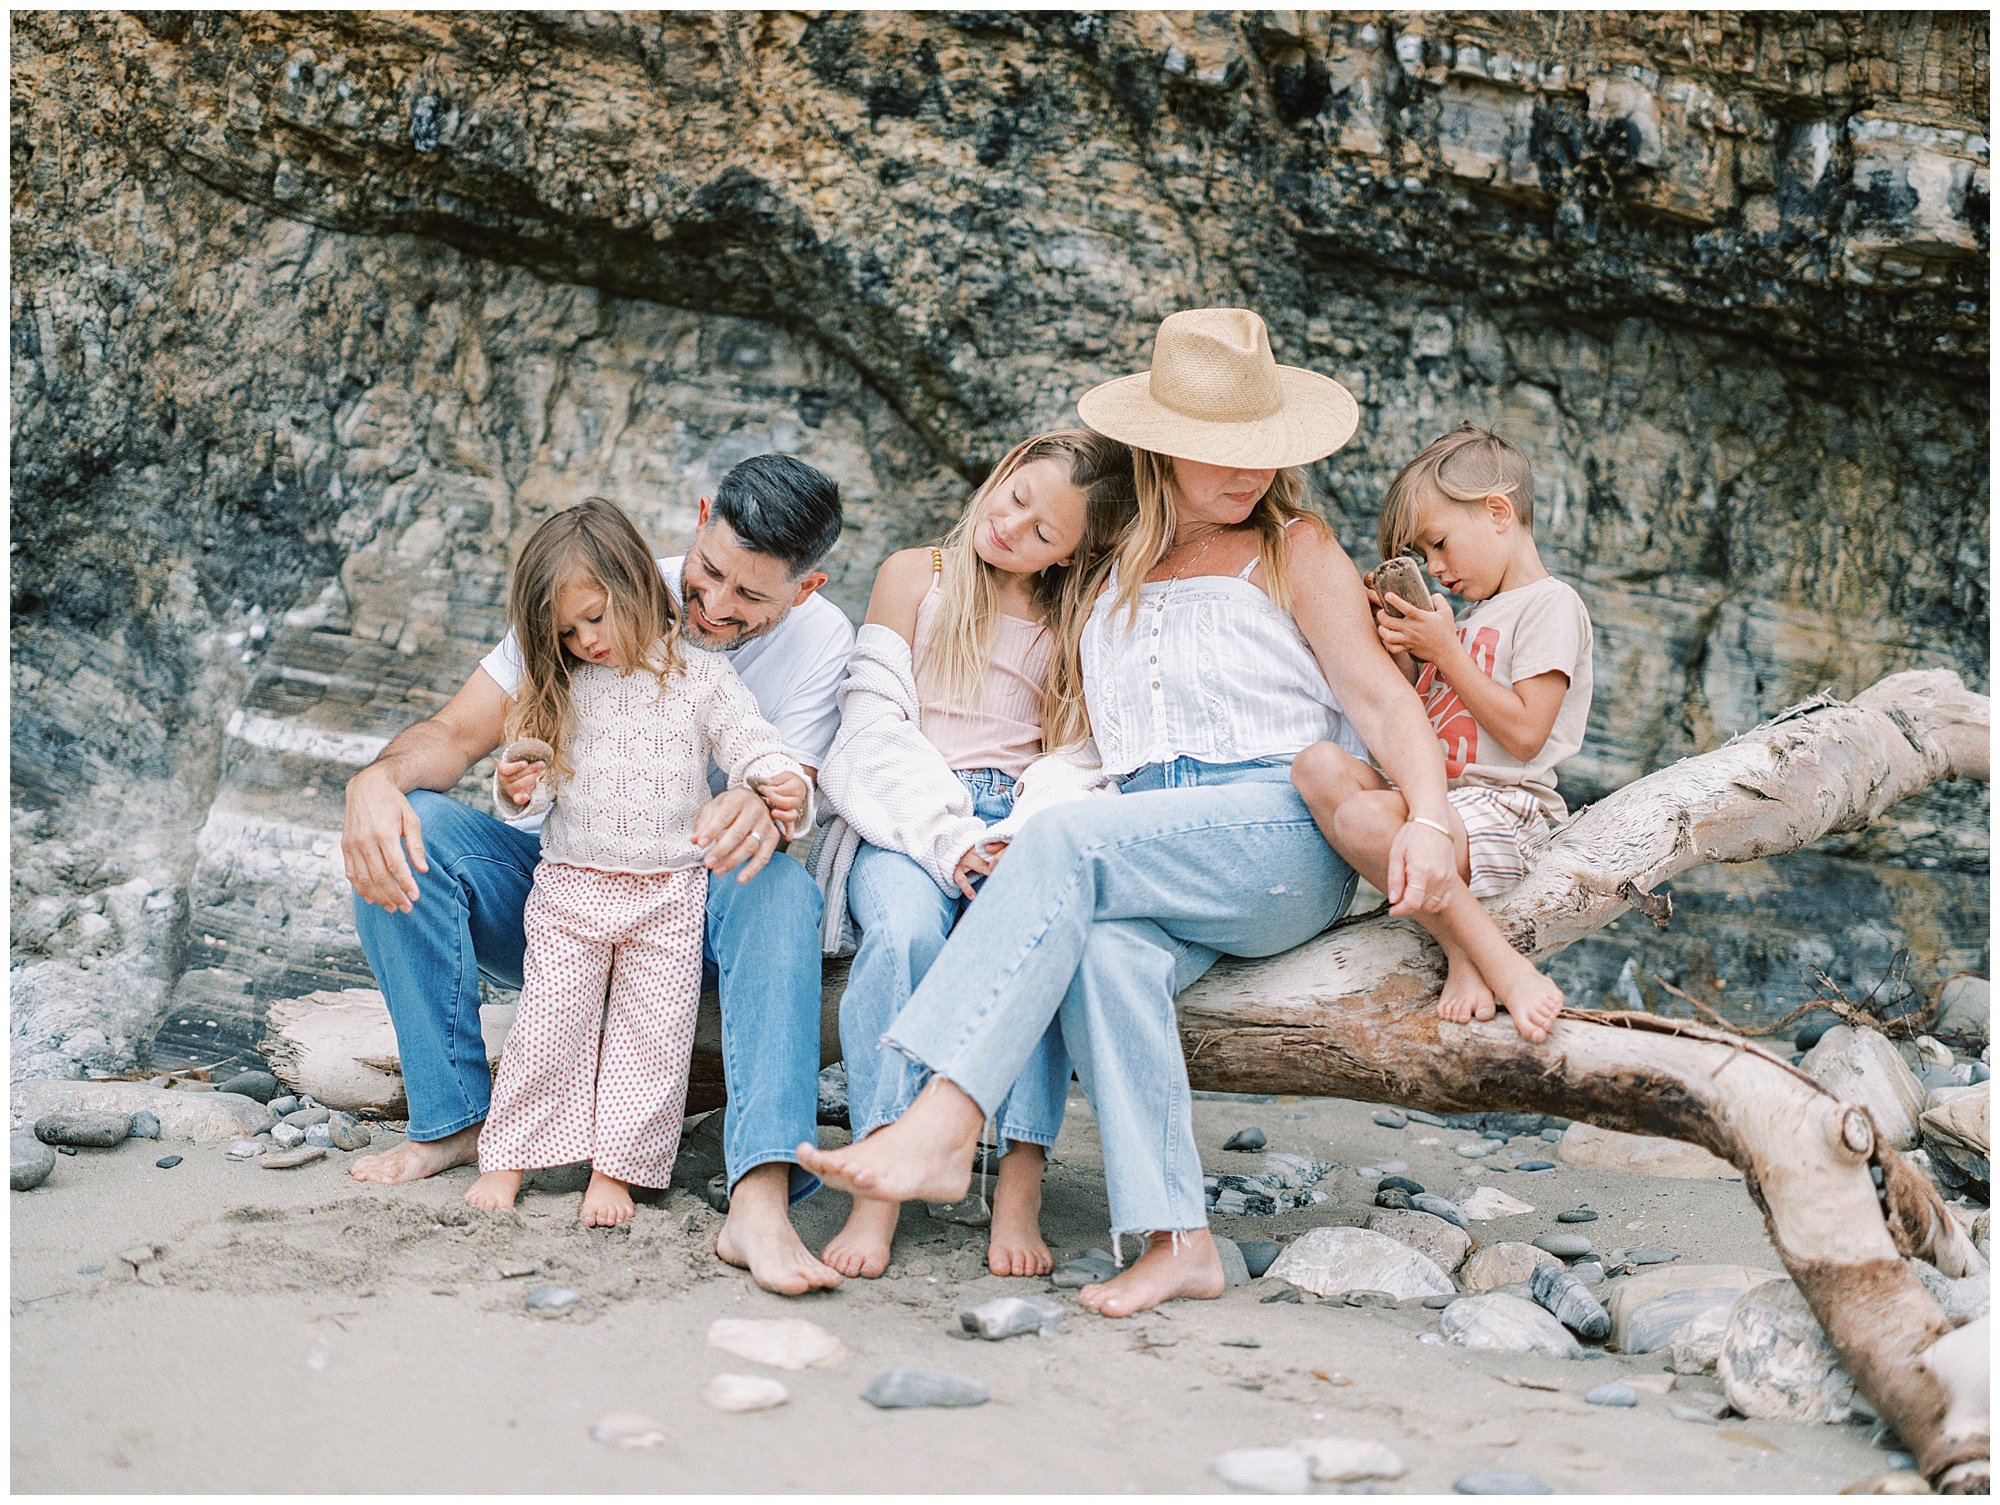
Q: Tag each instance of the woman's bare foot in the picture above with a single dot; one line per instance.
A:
(607, 1202)
(862, 1246)
(1015, 1245)
(1163, 1273)
(758, 1236)
(1466, 996)
(924, 1156)
(1531, 998)
(414, 1159)
(495, 1191)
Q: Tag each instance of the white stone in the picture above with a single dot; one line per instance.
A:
(745, 1392)
(1488, 1203)
(1503, 1264)
(1860, 1066)
(1648, 1309)
(1506, 1324)
(1443, 1244)
(1640, 1155)
(1333, 1261)
(1697, 1342)
(1776, 1364)
(781, 1342)
(1965, 1010)
(628, 1429)
(1263, 1471)
(1344, 1460)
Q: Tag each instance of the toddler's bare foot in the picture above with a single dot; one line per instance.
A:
(607, 1202)
(862, 1246)
(414, 1159)
(1015, 1245)
(1465, 993)
(758, 1236)
(1161, 1274)
(1531, 998)
(926, 1155)
(495, 1191)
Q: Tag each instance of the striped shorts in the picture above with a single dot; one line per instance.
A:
(1505, 830)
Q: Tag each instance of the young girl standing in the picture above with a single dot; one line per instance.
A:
(630, 716)
(966, 674)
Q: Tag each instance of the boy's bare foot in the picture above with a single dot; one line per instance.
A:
(607, 1202)
(926, 1155)
(758, 1236)
(862, 1246)
(495, 1191)
(414, 1159)
(1015, 1245)
(1466, 996)
(1161, 1274)
(1534, 1005)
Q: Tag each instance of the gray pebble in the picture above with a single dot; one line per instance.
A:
(1245, 1139)
(167, 1162)
(1981, 1072)
(1394, 1198)
(1368, 1298)
(1588, 1272)
(1652, 1256)
(1536, 1165)
(1907, 1462)
(552, 1300)
(305, 1118)
(1085, 1270)
(1564, 1245)
(90, 1269)
(29, 1162)
(1439, 1207)
(244, 1149)
(1478, 1149)
(1613, 1394)
(1499, 1481)
(1691, 1413)
(1400, 1183)
(1241, 1343)
(145, 1126)
(903, 1387)
(83, 1126)
(1288, 1294)
(65, 1149)
(1499, 1135)
(1389, 1118)
(1258, 1255)
(283, 1105)
(1439, 1303)
(1418, 1116)
(285, 1160)
(1553, 1136)
(1013, 1316)
(345, 1132)
(321, 1135)
(288, 1136)
(260, 1085)
(1577, 1215)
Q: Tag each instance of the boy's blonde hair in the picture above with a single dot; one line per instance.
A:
(1466, 466)
(594, 542)
(960, 648)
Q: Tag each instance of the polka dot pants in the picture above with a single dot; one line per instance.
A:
(596, 1066)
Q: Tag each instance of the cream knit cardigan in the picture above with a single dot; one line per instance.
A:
(888, 786)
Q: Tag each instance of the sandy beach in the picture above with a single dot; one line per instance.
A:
(300, 1330)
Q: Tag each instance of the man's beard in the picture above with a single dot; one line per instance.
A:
(690, 600)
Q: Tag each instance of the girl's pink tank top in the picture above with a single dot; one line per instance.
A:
(1004, 731)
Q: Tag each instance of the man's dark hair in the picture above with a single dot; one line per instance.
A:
(781, 506)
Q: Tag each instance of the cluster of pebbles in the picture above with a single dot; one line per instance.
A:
(299, 1131)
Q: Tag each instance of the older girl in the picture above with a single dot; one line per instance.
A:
(1232, 634)
(966, 672)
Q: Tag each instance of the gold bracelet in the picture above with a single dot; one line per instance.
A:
(1418, 820)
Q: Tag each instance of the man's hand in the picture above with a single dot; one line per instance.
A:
(1428, 635)
(1422, 864)
(379, 824)
(736, 827)
(786, 798)
(518, 778)
(978, 862)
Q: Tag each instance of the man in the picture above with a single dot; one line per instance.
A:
(440, 887)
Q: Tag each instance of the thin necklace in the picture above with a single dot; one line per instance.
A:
(1196, 557)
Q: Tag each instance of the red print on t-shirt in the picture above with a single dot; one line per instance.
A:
(1452, 722)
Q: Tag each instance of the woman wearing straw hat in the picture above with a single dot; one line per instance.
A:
(1232, 632)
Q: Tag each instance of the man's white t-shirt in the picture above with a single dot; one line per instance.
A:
(793, 671)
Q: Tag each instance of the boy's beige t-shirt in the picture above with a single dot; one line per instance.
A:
(1514, 636)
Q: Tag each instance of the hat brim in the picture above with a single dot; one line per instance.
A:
(1317, 416)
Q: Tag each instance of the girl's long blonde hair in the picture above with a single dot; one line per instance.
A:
(956, 656)
(1151, 537)
(593, 542)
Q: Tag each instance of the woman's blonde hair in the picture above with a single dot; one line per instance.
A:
(1151, 537)
(595, 543)
(1465, 466)
(960, 647)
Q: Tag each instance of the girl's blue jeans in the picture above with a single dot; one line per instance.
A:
(904, 919)
(1100, 913)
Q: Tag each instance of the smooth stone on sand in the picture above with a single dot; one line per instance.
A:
(1441, 1242)
(1258, 1255)
(1860, 1066)
(1502, 1264)
(1084, 1270)
(1577, 1215)
(552, 1300)
(781, 1342)
(1589, 1271)
(1651, 1256)
(1400, 1183)
(1681, 1411)
(1346, 1460)
(247, 1149)
(260, 1086)
(1562, 1295)
(1499, 1481)
(628, 1429)
(1536, 1165)
(200, 1117)
(1647, 1310)
(1393, 1198)
(348, 1133)
(1246, 1139)
(305, 1118)
(167, 1162)
(320, 1134)
(1487, 1203)
(1479, 1149)
(1012, 1316)
(1439, 1303)
(1333, 1261)
(1439, 1207)
(1389, 1118)
(1235, 1269)
(1613, 1394)
(1505, 1324)
(1776, 1364)
(29, 1162)
(288, 1136)
(745, 1392)
(93, 1129)
(904, 1388)
(1263, 1471)
(283, 1105)
(1288, 1294)
(145, 1126)
(1564, 1245)
(286, 1160)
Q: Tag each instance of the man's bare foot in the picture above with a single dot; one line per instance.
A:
(1532, 999)
(495, 1191)
(1015, 1245)
(414, 1159)
(924, 1156)
(1465, 991)
(1162, 1273)
(758, 1236)
(607, 1202)
(862, 1246)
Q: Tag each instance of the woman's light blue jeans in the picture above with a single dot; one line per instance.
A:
(904, 919)
(1098, 915)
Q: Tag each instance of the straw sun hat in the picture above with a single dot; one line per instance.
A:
(1217, 394)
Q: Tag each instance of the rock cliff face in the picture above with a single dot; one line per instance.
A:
(315, 316)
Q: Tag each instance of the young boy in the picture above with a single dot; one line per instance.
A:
(1508, 693)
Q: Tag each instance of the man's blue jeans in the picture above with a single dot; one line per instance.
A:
(1100, 913)
(761, 950)
(904, 918)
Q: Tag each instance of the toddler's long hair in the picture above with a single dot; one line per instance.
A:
(595, 543)
(955, 659)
